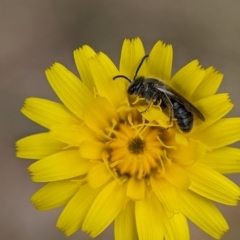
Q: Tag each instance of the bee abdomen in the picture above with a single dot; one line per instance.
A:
(184, 117)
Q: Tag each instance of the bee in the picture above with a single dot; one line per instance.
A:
(156, 92)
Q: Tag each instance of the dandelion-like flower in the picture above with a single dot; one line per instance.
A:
(106, 159)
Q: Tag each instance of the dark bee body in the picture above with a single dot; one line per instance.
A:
(184, 117)
(157, 92)
(144, 88)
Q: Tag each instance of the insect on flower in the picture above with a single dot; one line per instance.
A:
(156, 92)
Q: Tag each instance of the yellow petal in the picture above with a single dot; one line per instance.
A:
(72, 92)
(38, 146)
(159, 62)
(155, 114)
(149, 218)
(181, 139)
(92, 149)
(209, 85)
(167, 194)
(220, 134)
(103, 211)
(177, 176)
(59, 166)
(213, 185)
(187, 79)
(54, 194)
(125, 224)
(47, 113)
(131, 56)
(73, 135)
(66, 133)
(100, 116)
(73, 215)
(176, 227)
(188, 154)
(213, 108)
(224, 160)
(136, 188)
(99, 175)
(103, 70)
(203, 213)
(81, 57)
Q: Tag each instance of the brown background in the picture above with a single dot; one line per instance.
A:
(34, 34)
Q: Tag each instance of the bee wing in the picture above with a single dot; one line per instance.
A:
(172, 94)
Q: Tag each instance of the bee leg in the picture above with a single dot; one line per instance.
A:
(149, 105)
(169, 105)
(157, 102)
(157, 98)
(137, 100)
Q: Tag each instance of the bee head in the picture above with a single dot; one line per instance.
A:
(135, 87)
(137, 82)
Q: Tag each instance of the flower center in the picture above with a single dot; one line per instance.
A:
(136, 145)
(136, 150)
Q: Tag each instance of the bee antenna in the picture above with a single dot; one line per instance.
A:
(139, 66)
(122, 76)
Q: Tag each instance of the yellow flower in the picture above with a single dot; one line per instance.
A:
(108, 160)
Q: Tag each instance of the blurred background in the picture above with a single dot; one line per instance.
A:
(34, 34)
